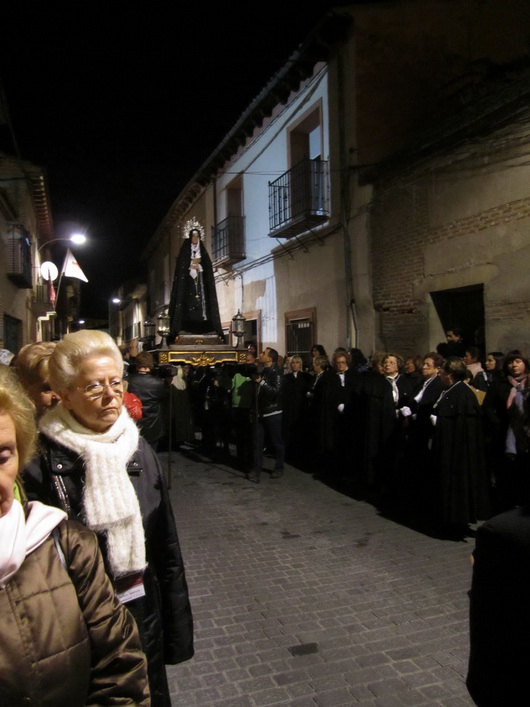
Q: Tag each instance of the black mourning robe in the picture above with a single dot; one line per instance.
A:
(422, 429)
(193, 306)
(295, 406)
(458, 454)
(383, 430)
(499, 611)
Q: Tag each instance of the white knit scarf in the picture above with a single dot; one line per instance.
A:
(110, 503)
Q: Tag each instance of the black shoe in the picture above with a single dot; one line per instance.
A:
(276, 473)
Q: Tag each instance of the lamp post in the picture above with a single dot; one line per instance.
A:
(238, 327)
(113, 317)
(76, 238)
(48, 270)
(163, 323)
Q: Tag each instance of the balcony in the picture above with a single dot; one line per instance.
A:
(299, 199)
(228, 241)
(18, 261)
(41, 303)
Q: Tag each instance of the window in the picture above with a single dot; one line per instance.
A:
(228, 236)
(299, 199)
(300, 333)
(18, 257)
(12, 333)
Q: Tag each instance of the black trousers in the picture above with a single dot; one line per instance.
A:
(270, 428)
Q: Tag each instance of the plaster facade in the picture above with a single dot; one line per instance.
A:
(428, 198)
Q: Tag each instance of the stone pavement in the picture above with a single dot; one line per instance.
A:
(305, 596)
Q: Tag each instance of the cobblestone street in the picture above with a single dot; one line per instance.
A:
(304, 596)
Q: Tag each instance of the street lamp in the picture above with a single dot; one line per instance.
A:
(114, 317)
(163, 323)
(77, 238)
(238, 327)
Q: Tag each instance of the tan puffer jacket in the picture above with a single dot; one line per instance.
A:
(60, 649)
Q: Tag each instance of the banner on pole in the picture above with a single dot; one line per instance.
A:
(71, 267)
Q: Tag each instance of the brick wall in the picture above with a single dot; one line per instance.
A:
(401, 231)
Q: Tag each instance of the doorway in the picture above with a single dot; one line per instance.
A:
(463, 307)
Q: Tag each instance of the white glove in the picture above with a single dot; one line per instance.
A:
(433, 419)
(340, 408)
(405, 411)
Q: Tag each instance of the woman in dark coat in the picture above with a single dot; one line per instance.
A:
(386, 406)
(422, 428)
(463, 488)
(413, 370)
(295, 386)
(94, 465)
(420, 435)
(340, 419)
(493, 368)
(316, 412)
(193, 306)
(506, 422)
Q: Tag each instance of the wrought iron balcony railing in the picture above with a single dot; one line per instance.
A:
(228, 241)
(299, 199)
(18, 247)
(42, 294)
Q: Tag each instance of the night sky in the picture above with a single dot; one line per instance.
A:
(122, 109)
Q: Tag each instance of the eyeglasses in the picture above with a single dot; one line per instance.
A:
(97, 389)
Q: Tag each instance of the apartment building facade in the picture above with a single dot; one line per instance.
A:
(25, 225)
(376, 190)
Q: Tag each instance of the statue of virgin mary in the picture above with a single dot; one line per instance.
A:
(193, 307)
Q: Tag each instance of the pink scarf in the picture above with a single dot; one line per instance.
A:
(519, 385)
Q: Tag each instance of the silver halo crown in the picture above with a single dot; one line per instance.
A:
(193, 225)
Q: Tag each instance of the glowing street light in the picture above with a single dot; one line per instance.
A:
(77, 238)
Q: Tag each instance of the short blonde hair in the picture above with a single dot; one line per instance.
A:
(15, 403)
(321, 361)
(73, 349)
(31, 362)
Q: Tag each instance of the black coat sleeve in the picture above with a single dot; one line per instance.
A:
(499, 618)
(165, 560)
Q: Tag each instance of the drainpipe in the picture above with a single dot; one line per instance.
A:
(214, 185)
(242, 310)
(345, 202)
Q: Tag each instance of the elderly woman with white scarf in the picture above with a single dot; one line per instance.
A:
(94, 465)
(62, 628)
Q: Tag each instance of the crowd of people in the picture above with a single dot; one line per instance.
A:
(439, 437)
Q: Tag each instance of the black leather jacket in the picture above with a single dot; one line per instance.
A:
(164, 616)
(154, 394)
(269, 391)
